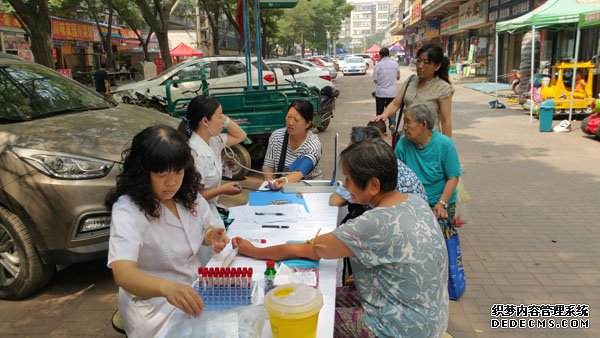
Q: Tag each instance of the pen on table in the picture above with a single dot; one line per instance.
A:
(268, 213)
(276, 226)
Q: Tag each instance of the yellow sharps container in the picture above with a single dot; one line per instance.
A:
(294, 310)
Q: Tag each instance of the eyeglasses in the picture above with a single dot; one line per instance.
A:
(427, 62)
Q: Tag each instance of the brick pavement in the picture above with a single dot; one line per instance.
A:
(535, 237)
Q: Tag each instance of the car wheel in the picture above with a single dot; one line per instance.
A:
(22, 271)
(242, 156)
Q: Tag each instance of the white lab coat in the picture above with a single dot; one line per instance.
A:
(207, 158)
(164, 247)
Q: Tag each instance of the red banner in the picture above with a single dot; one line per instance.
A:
(65, 72)
(9, 21)
(71, 30)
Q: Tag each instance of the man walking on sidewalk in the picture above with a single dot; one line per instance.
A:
(386, 75)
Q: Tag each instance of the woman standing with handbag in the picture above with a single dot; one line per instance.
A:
(432, 86)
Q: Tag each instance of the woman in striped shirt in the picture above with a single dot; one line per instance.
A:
(303, 150)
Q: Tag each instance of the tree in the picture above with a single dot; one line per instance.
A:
(157, 17)
(94, 8)
(306, 24)
(34, 16)
(128, 12)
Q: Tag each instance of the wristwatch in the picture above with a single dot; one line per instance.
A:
(443, 203)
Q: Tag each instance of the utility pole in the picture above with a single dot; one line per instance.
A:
(328, 32)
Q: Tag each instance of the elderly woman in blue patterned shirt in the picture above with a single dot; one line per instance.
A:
(397, 250)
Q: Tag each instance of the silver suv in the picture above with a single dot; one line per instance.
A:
(60, 148)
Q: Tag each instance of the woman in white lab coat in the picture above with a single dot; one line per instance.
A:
(203, 124)
(159, 223)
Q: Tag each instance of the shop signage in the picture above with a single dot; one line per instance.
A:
(127, 33)
(500, 10)
(449, 25)
(415, 11)
(71, 30)
(472, 13)
(9, 21)
(432, 29)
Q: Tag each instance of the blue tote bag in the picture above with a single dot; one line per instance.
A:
(457, 280)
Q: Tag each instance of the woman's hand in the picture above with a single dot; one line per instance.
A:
(218, 239)
(231, 188)
(244, 246)
(378, 118)
(277, 184)
(183, 297)
(440, 211)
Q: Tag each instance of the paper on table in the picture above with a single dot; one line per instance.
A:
(268, 214)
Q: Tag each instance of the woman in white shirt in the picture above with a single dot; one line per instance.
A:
(203, 124)
(159, 222)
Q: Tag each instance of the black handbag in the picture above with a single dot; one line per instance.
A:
(397, 132)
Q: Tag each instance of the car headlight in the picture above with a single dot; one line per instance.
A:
(64, 166)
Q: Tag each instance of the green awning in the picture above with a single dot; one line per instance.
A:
(553, 13)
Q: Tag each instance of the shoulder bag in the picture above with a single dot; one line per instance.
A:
(398, 133)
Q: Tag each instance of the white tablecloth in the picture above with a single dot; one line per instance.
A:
(322, 216)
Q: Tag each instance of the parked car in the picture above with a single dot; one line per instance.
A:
(367, 59)
(60, 151)
(354, 65)
(332, 72)
(330, 62)
(327, 63)
(221, 72)
(312, 77)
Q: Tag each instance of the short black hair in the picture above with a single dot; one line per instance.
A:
(368, 133)
(201, 106)
(157, 149)
(380, 125)
(383, 52)
(371, 159)
(305, 109)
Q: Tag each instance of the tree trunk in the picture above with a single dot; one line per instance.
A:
(41, 41)
(36, 16)
(163, 44)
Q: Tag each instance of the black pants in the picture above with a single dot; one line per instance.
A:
(380, 104)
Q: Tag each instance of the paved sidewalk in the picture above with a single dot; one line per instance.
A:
(536, 232)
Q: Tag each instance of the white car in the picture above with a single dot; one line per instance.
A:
(312, 77)
(354, 65)
(368, 60)
(221, 72)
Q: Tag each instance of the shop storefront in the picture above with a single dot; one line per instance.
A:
(478, 32)
(13, 38)
(72, 43)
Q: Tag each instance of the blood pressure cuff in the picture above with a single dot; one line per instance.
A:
(302, 164)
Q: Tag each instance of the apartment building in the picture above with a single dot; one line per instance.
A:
(366, 19)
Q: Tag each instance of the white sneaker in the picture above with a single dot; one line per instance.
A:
(563, 127)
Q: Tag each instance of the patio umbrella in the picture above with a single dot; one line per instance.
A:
(184, 50)
(397, 48)
(373, 50)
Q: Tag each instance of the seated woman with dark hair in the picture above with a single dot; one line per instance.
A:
(397, 251)
(159, 222)
(302, 148)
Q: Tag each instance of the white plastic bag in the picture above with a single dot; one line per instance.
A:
(242, 322)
